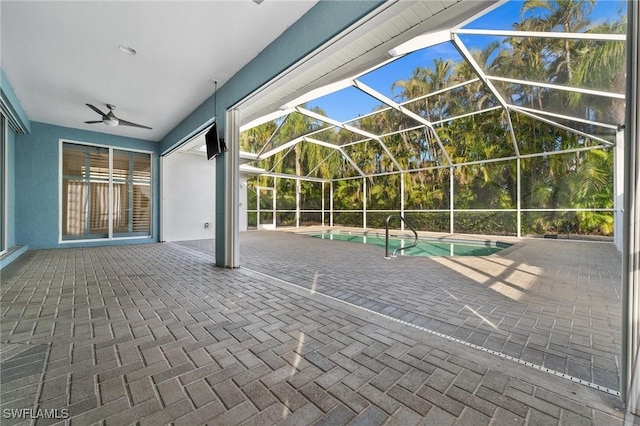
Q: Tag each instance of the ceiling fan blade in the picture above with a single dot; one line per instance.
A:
(96, 110)
(94, 122)
(130, 124)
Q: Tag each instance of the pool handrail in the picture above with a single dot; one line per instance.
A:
(386, 236)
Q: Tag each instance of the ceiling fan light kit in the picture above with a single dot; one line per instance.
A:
(111, 120)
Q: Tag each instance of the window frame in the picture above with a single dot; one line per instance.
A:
(62, 239)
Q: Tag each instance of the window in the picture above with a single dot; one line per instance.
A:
(106, 193)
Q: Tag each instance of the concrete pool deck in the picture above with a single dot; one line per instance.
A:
(312, 331)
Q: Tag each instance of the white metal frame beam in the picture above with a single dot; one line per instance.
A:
(382, 98)
(563, 117)
(562, 126)
(339, 149)
(351, 129)
(462, 48)
(557, 87)
(543, 34)
(293, 177)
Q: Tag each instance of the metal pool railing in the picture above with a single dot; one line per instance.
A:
(386, 236)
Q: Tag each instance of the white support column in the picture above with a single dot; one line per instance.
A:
(451, 224)
(322, 203)
(227, 195)
(364, 203)
(274, 199)
(232, 189)
(243, 219)
(331, 204)
(519, 199)
(630, 387)
(618, 189)
(298, 190)
(402, 176)
(258, 189)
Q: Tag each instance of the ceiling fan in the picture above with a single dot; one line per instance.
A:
(110, 118)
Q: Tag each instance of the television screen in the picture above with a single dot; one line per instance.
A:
(215, 146)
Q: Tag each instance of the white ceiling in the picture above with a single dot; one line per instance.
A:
(59, 55)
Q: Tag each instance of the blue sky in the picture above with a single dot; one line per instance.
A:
(349, 103)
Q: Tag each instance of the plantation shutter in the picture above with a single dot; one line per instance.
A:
(132, 193)
(141, 165)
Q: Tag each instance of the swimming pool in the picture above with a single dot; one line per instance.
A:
(425, 247)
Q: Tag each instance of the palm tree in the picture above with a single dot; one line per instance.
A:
(564, 15)
(602, 65)
(424, 81)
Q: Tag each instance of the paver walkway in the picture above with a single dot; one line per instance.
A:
(554, 304)
(153, 334)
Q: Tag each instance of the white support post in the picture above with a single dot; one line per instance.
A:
(451, 224)
(232, 189)
(630, 383)
(274, 199)
(322, 203)
(364, 203)
(331, 204)
(519, 199)
(298, 190)
(258, 189)
(618, 189)
(402, 176)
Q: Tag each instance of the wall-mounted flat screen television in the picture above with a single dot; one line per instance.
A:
(215, 145)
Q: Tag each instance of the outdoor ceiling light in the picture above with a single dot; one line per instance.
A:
(420, 42)
(127, 50)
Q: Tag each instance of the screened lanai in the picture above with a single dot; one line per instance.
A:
(508, 124)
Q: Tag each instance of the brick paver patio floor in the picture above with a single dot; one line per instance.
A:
(310, 332)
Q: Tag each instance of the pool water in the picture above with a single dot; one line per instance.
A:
(424, 247)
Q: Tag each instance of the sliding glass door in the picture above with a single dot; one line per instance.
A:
(106, 193)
